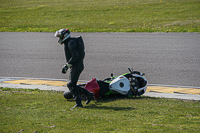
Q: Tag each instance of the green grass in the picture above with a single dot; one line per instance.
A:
(100, 15)
(31, 111)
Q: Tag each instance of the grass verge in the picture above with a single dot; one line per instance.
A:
(25, 110)
(100, 15)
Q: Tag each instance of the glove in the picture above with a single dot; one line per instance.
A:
(65, 68)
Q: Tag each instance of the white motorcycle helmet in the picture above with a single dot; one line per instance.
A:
(63, 34)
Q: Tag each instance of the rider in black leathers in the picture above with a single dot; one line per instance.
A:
(74, 52)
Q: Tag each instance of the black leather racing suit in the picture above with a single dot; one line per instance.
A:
(74, 52)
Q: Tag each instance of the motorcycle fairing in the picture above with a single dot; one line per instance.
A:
(120, 84)
(93, 86)
(99, 88)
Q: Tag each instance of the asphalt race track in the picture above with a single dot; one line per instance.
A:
(165, 58)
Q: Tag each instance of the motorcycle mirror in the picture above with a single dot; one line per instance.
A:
(111, 74)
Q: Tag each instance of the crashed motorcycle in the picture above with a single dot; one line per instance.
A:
(129, 84)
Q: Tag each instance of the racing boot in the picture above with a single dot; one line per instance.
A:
(78, 102)
(88, 94)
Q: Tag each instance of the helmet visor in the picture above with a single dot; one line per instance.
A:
(58, 33)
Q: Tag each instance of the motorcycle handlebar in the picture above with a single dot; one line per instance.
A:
(139, 73)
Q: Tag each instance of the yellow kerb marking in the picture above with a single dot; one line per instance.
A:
(38, 82)
(173, 90)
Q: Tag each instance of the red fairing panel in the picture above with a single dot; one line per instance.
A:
(92, 86)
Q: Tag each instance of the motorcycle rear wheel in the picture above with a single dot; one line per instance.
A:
(68, 95)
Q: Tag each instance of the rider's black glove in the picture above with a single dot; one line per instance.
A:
(64, 69)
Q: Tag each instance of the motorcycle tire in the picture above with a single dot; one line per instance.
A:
(68, 95)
